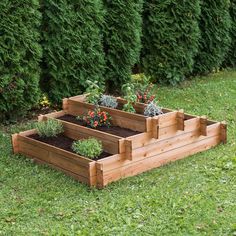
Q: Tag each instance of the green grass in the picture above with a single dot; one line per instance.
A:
(194, 196)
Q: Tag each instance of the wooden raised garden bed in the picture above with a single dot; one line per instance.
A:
(140, 144)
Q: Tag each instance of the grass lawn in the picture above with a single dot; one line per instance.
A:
(194, 196)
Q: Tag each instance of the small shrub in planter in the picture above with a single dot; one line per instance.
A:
(96, 118)
(90, 148)
(94, 92)
(49, 128)
(152, 109)
(108, 101)
(130, 97)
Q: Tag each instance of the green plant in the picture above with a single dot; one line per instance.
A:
(94, 92)
(72, 46)
(49, 128)
(130, 97)
(108, 101)
(170, 39)
(215, 35)
(152, 109)
(122, 40)
(20, 54)
(90, 148)
(144, 89)
(230, 59)
(96, 118)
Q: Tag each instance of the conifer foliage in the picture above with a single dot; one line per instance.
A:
(170, 39)
(215, 24)
(72, 46)
(231, 56)
(20, 55)
(122, 39)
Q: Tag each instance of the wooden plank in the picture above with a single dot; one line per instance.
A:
(180, 120)
(65, 104)
(160, 146)
(135, 168)
(128, 149)
(73, 157)
(155, 127)
(15, 144)
(203, 125)
(80, 178)
(223, 132)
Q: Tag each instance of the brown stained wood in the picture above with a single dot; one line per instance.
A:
(158, 148)
(180, 120)
(65, 104)
(15, 143)
(223, 132)
(99, 170)
(135, 168)
(82, 179)
(128, 149)
(155, 127)
(73, 157)
(203, 125)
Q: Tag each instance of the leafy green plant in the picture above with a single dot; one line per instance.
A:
(122, 40)
(90, 148)
(49, 128)
(108, 101)
(130, 97)
(72, 46)
(215, 23)
(152, 109)
(96, 118)
(20, 55)
(170, 39)
(94, 91)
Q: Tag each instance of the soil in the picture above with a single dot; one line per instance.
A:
(115, 130)
(64, 143)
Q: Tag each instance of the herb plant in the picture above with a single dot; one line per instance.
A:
(94, 92)
(130, 97)
(49, 128)
(90, 148)
(96, 118)
(152, 109)
(108, 101)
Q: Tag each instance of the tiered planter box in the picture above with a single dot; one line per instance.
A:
(162, 139)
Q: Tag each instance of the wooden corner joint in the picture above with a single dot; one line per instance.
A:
(223, 132)
(65, 105)
(203, 125)
(180, 120)
(15, 144)
(128, 149)
(42, 118)
(155, 127)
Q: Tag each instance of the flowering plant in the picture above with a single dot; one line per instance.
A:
(96, 118)
(144, 94)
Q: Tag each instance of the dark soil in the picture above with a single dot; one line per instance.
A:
(115, 130)
(64, 143)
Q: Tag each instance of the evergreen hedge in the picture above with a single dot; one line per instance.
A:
(170, 39)
(215, 23)
(122, 40)
(231, 56)
(72, 46)
(20, 54)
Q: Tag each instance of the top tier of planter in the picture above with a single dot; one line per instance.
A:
(138, 144)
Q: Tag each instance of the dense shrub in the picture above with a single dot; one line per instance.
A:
(122, 39)
(215, 38)
(231, 56)
(170, 39)
(72, 44)
(20, 54)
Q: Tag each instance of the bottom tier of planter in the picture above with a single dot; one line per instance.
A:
(113, 167)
